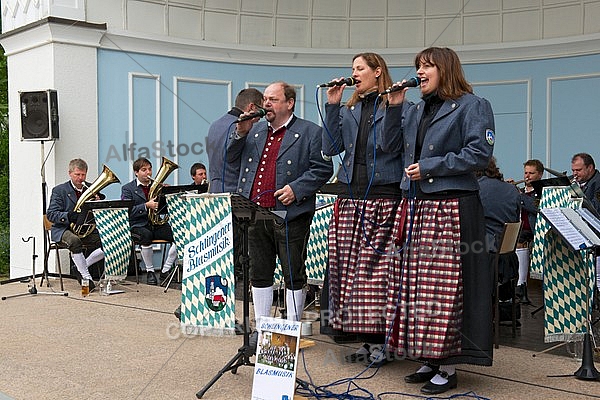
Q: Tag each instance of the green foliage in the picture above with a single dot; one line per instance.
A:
(4, 251)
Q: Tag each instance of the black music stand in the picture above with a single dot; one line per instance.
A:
(576, 192)
(580, 229)
(245, 212)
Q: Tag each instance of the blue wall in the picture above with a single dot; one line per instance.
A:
(173, 101)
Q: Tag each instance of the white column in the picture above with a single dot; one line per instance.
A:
(60, 55)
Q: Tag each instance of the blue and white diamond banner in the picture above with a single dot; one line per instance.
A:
(207, 290)
(317, 253)
(113, 227)
(552, 197)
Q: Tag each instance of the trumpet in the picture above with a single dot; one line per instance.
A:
(516, 183)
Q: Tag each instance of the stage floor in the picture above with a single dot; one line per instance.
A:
(129, 346)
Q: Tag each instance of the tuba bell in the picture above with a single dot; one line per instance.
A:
(83, 228)
(166, 167)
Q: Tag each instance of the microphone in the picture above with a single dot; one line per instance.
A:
(261, 112)
(345, 81)
(412, 82)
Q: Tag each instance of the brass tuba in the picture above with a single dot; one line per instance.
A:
(166, 167)
(83, 228)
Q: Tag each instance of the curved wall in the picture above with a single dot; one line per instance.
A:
(155, 73)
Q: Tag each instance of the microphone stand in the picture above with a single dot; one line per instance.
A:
(33, 290)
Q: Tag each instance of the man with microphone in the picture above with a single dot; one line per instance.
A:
(281, 169)
(224, 176)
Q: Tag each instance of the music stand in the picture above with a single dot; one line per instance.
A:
(538, 186)
(246, 212)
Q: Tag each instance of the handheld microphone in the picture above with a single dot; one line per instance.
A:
(412, 82)
(261, 112)
(345, 81)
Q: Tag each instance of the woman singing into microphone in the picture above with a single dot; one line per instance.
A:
(444, 308)
(362, 266)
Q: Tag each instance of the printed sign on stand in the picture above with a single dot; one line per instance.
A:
(276, 359)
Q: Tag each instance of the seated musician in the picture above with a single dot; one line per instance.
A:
(501, 203)
(198, 173)
(532, 171)
(60, 212)
(143, 230)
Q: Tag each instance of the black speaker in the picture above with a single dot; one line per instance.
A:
(39, 115)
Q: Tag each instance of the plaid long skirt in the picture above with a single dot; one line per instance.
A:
(443, 307)
(363, 265)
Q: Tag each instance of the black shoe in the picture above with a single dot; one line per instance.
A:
(432, 388)
(91, 284)
(164, 276)
(151, 278)
(177, 313)
(357, 357)
(524, 299)
(421, 377)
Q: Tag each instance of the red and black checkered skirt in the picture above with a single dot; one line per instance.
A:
(363, 264)
(429, 302)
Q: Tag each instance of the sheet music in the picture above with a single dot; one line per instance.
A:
(581, 225)
(571, 227)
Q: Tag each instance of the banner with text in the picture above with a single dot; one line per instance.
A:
(207, 292)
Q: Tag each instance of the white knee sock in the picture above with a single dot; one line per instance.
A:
(96, 256)
(263, 300)
(148, 257)
(81, 265)
(171, 257)
(294, 302)
(523, 255)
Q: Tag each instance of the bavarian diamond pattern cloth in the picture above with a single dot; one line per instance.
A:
(113, 227)
(207, 292)
(177, 219)
(568, 289)
(316, 249)
(552, 197)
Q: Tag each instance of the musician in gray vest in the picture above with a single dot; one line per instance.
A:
(61, 213)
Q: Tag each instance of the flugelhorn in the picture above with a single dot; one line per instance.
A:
(166, 167)
(82, 228)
